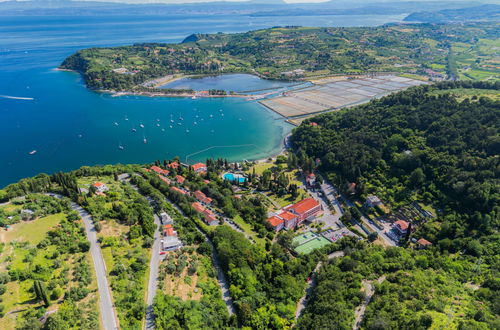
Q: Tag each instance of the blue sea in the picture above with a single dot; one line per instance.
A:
(70, 126)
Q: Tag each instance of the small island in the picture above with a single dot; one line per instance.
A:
(434, 51)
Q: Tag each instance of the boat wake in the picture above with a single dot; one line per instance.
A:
(17, 97)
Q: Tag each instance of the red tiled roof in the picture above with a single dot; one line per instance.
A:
(180, 178)
(178, 190)
(402, 224)
(304, 205)
(287, 216)
(198, 207)
(98, 184)
(159, 170)
(313, 124)
(169, 232)
(206, 181)
(164, 179)
(174, 165)
(198, 166)
(167, 226)
(275, 221)
(423, 241)
(311, 175)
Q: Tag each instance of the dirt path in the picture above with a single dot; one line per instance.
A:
(369, 290)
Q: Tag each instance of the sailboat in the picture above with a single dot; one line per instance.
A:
(171, 120)
(120, 146)
(32, 152)
(142, 125)
(144, 139)
(116, 124)
(126, 118)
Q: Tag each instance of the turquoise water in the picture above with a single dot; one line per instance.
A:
(232, 177)
(71, 126)
(228, 82)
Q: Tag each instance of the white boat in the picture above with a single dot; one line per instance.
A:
(142, 126)
(163, 130)
(170, 126)
(121, 147)
(126, 118)
(134, 130)
(116, 124)
(187, 131)
(211, 116)
(32, 152)
(158, 125)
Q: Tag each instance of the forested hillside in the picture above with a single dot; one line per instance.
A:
(421, 145)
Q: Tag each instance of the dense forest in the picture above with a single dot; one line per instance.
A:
(419, 146)
(294, 53)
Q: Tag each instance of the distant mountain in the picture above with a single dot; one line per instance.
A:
(488, 13)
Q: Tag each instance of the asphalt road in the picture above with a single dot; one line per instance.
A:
(154, 266)
(107, 309)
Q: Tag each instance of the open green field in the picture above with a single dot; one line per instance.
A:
(247, 228)
(467, 93)
(31, 231)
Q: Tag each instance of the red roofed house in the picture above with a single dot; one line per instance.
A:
(100, 187)
(306, 209)
(423, 243)
(168, 230)
(206, 181)
(178, 190)
(313, 124)
(400, 227)
(164, 179)
(202, 197)
(276, 223)
(159, 170)
(199, 167)
(180, 179)
(208, 215)
(173, 165)
(311, 179)
(290, 219)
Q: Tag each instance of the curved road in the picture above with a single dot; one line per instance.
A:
(154, 265)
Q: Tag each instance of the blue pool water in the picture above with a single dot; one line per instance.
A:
(233, 177)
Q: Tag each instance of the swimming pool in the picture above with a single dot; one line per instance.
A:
(234, 177)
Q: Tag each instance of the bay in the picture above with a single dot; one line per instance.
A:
(70, 126)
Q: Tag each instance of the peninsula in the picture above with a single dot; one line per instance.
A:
(295, 53)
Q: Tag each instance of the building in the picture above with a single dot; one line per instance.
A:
(423, 243)
(199, 195)
(164, 179)
(159, 170)
(294, 215)
(311, 179)
(400, 227)
(174, 165)
(306, 210)
(209, 216)
(100, 187)
(372, 201)
(165, 219)
(27, 214)
(276, 222)
(199, 167)
(178, 190)
(180, 179)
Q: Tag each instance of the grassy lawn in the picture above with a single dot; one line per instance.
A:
(462, 93)
(32, 231)
(247, 228)
(287, 199)
(261, 167)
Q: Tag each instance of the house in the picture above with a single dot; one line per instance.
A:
(423, 243)
(159, 170)
(372, 201)
(174, 165)
(290, 219)
(168, 230)
(178, 190)
(306, 210)
(100, 187)
(276, 222)
(199, 167)
(209, 216)
(199, 195)
(400, 227)
(311, 179)
(165, 219)
(314, 124)
(164, 179)
(180, 179)
(170, 243)
(206, 181)
(351, 188)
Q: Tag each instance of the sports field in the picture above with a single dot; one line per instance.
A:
(306, 242)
